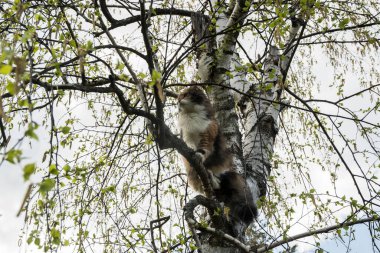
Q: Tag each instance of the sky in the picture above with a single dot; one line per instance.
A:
(12, 188)
(362, 244)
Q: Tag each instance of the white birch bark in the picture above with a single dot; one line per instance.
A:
(252, 156)
(224, 105)
(223, 98)
(260, 119)
(260, 129)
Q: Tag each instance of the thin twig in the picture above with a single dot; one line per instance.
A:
(161, 222)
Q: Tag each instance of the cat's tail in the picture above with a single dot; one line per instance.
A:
(235, 194)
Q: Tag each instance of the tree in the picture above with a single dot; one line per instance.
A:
(95, 82)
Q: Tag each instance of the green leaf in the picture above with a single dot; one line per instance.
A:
(120, 66)
(111, 188)
(5, 69)
(339, 232)
(141, 75)
(56, 235)
(154, 48)
(66, 168)
(53, 169)
(268, 87)
(29, 169)
(46, 185)
(23, 103)
(11, 88)
(13, 156)
(30, 131)
(343, 23)
(156, 78)
(193, 247)
(124, 77)
(89, 45)
(65, 130)
(37, 241)
(72, 43)
(149, 139)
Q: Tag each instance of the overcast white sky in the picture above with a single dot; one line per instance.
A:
(13, 189)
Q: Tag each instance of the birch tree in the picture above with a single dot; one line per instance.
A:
(93, 84)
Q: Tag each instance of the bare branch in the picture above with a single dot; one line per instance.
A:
(158, 11)
(315, 232)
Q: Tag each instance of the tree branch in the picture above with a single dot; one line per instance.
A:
(347, 28)
(158, 11)
(153, 67)
(3, 135)
(315, 232)
(161, 222)
(84, 88)
(214, 209)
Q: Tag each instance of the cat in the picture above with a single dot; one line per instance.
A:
(200, 130)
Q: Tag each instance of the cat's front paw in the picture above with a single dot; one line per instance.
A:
(201, 154)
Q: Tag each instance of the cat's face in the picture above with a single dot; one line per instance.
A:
(191, 99)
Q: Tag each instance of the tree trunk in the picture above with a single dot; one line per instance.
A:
(251, 155)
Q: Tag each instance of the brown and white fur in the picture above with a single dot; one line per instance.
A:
(200, 131)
